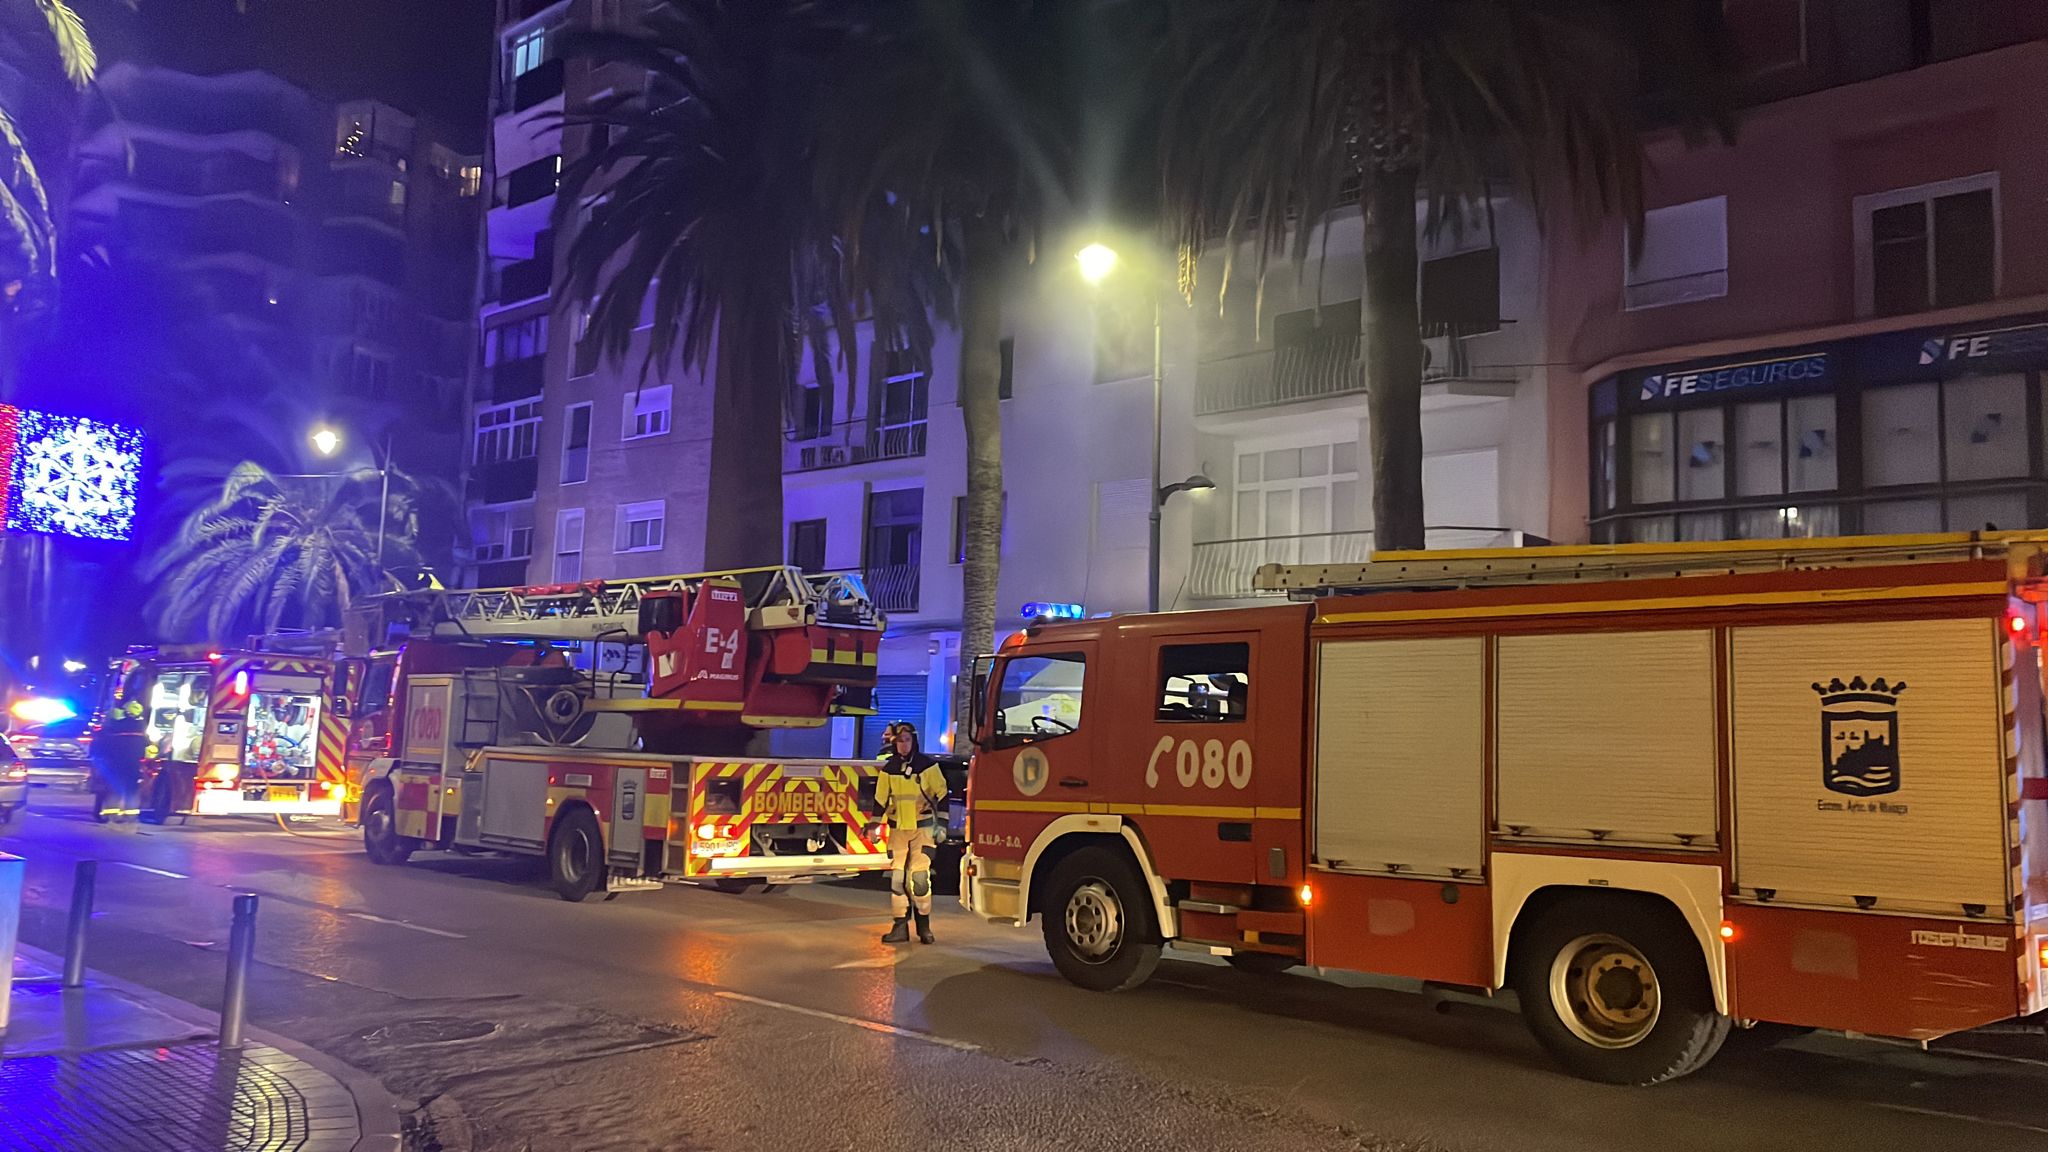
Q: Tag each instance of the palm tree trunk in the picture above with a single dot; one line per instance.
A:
(981, 331)
(743, 525)
(1393, 358)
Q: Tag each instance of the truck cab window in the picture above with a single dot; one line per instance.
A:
(1039, 698)
(1204, 683)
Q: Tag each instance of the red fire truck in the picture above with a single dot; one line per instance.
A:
(234, 732)
(1660, 791)
(605, 725)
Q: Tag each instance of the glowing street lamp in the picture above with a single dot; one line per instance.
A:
(326, 441)
(1097, 262)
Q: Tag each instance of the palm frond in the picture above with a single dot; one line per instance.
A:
(75, 52)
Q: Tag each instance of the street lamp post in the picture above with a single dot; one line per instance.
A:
(327, 441)
(1097, 262)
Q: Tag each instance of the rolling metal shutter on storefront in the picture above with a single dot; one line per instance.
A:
(898, 698)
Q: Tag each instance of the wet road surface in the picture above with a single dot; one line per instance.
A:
(687, 1018)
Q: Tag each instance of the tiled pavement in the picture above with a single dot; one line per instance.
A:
(180, 1098)
(113, 1068)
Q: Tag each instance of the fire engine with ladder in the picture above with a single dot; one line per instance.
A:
(605, 724)
(1665, 793)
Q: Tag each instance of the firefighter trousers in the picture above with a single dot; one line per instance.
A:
(910, 871)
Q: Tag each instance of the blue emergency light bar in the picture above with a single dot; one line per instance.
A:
(1047, 610)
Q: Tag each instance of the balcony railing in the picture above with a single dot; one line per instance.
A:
(522, 280)
(1223, 569)
(854, 443)
(530, 182)
(504, 481)
(537, 85)
(511, 380)
(1285, 375)
(893, 587)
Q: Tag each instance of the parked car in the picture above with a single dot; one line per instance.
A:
(13, 782)
(57, 753)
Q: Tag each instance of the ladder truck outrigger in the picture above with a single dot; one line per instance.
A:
(605, 725)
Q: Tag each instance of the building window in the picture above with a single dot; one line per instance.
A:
(895, 527)
(640, 526)
(1006, 383)
(519, 340)
(576, 444)
(529, 51)
(1684, 256)
(813, 410)
(1308, 491)
(1769, 35)
(1935, 246)
(504, 533)
(1969, 429)
(807, 545)
(568, 545)
(646, 413)
(900, 407)
(587, 349)
(960, 527)
(507, 431)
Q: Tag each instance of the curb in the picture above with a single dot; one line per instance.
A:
(377, 1111)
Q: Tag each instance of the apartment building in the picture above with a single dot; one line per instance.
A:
(581, 467)
(336, 242)
(1839, 322)
(584, 469)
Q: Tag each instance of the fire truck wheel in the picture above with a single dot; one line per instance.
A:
(381, 841)
(1098, 921)
(1617, 990)
(576, 856)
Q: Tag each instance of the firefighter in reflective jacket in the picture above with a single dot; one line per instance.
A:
(909, 791)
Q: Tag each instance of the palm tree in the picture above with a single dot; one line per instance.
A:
(271, 551)
(1282, 103)
(987, 121)
(710, 210)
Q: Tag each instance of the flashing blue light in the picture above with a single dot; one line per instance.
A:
(1047, 610)
(42, 710)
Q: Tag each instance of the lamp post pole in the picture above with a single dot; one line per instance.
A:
(1157, 496)
(383, 501)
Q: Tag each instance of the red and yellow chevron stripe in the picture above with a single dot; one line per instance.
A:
(768, 796)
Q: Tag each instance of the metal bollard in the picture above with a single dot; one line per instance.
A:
(10, 922)
(82, 882)
(241, 950)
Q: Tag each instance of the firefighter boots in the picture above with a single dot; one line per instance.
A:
(924, 928)
(900, 933)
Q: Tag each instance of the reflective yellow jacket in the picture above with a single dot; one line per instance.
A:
(908, 800)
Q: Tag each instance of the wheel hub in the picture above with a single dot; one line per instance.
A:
(1605, 991)
(1095, 921)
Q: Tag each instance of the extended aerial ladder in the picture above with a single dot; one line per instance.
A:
(752, 648)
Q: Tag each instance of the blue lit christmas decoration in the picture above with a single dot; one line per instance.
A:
(69, 476)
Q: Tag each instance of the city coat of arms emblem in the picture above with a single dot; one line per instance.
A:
(1859, 736)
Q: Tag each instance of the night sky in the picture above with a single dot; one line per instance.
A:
(428, 57)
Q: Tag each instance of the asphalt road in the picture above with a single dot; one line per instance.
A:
(687, 1019)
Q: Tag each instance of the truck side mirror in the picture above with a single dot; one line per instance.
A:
(977, 725)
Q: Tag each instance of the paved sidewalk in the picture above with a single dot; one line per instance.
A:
(112, 1067)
